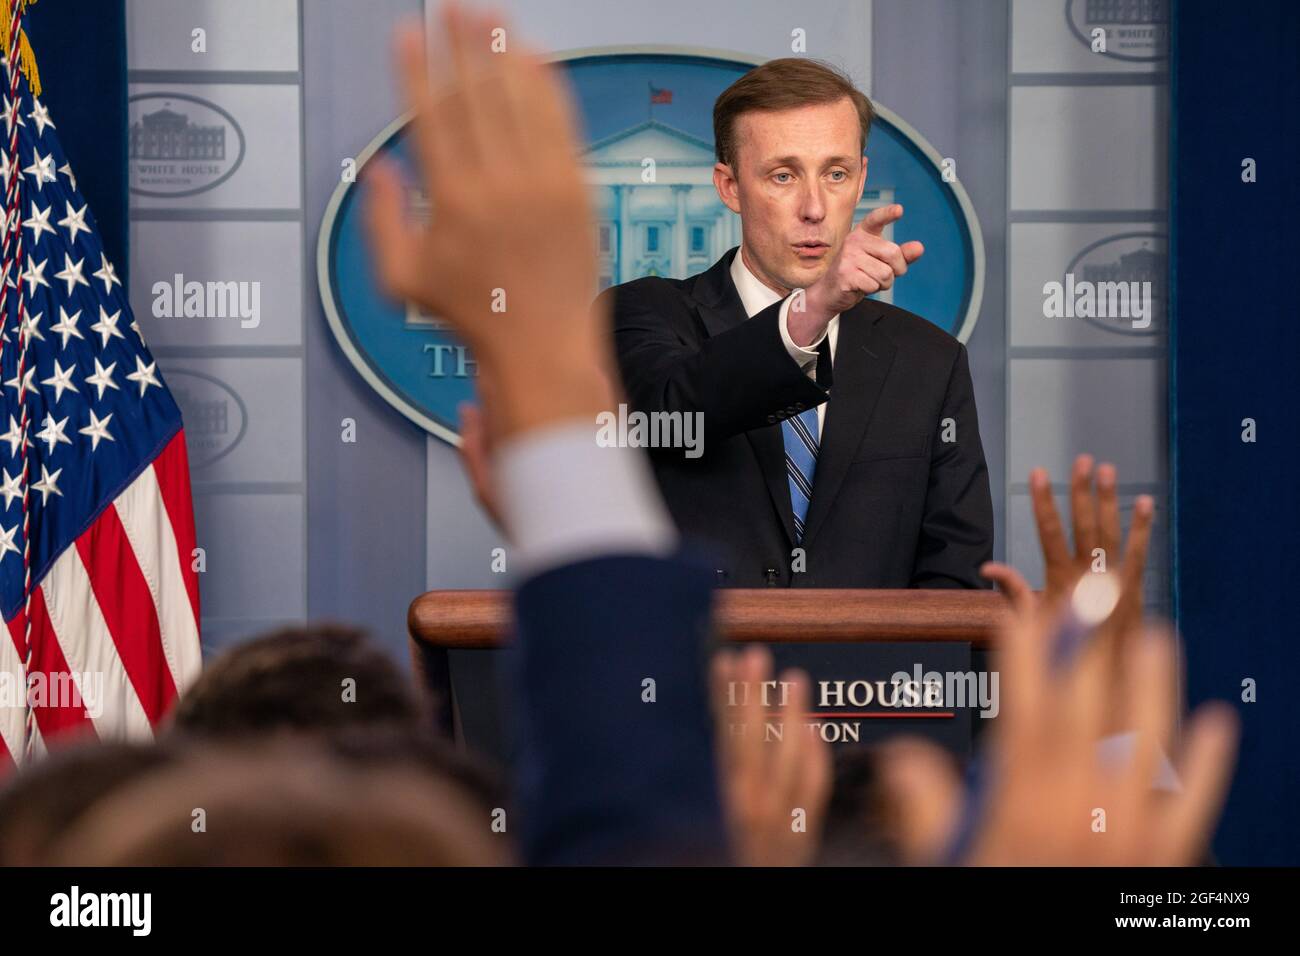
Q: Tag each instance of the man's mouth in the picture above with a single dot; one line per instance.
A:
(811, 248)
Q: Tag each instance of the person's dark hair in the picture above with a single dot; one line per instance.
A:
(420, 747)
(41, 801)
(284, 802)
(294, 680)
(783, 84)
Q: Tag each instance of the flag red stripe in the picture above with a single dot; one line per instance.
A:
(48, 660)
(126, 602)
(172, 467)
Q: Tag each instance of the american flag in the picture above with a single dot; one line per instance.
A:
(114, 600)
(660, 96)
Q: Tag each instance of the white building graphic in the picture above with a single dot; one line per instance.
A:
(674, 226)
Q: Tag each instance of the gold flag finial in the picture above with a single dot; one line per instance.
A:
(26, 58)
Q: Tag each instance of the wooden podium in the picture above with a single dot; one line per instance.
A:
(481, 619)
(454, 633)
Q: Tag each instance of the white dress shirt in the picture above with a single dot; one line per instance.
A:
(756, 297)
(564, 498)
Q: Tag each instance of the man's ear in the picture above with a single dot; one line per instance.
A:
(724, 181)
(862, 181)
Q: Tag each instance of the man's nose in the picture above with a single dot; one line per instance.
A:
(813, 206)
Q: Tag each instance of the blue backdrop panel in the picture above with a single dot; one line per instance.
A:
(80, 48)
(1235, 345)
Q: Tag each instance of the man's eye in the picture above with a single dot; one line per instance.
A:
(779, 178)
(839, 175)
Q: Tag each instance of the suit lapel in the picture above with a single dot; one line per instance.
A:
(716, 298)
(863, 357)
(719, 307)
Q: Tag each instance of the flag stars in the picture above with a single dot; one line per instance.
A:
(39, 222)
(66, 169)
(106, 274)
(71, 273)
(52, 433)
(7, 541)
(48, 485)
(103, 378)
(74, 222)
(40, 115)
(27, 382)
(14, 437)
(30, 323)
(107, 326)
(10, 114)
(12, 488)
(61, 380)
(35, 275)
(97, 430)
(67, 326)
(145, 375)
(42, 168)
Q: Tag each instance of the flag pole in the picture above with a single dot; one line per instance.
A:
(12, 253)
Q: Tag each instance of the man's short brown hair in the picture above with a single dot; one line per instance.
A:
(783, 84)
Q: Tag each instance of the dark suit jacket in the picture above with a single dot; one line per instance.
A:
(893, 504)
(606, 775)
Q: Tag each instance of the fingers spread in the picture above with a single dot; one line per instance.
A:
(1139, 540)
(1108, 523)
(1012, 584)
(1148, 703)
(1083, 509)
(395, 242)
(1205, 768)
(433, 148)
(1051, 533)
(793, 752)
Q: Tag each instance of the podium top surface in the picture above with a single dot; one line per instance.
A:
(481, 618)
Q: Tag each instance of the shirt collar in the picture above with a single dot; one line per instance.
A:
(754, 296)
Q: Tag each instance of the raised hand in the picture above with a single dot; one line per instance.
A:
(1051, 796)
(1097, 546)
(508, 258)
(1055, 799)
(766, 782)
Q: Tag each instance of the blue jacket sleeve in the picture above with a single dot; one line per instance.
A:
(610, 703)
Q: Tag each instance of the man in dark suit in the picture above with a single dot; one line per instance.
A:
(841, 444)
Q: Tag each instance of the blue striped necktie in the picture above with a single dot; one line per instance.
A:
(801, 443)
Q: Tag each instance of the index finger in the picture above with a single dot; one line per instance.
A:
(875, 221)
(1208, 755)
(412, 69)
(1051, 533)
(1083, 509)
